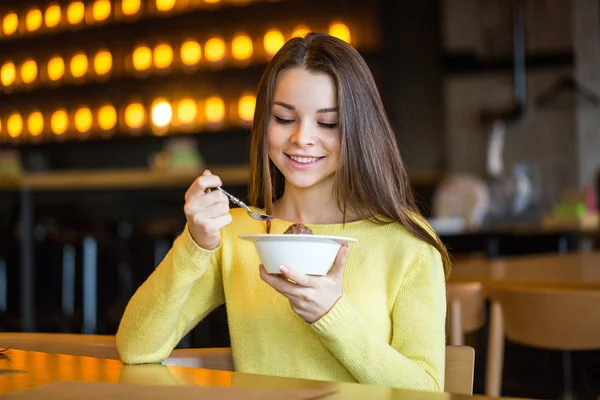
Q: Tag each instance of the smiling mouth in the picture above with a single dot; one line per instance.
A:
(304, 160)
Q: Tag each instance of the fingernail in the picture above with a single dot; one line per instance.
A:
(283, 269)
(346, 249)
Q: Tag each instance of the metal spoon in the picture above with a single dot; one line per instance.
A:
(253, 214)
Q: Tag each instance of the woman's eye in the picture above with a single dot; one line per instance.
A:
(283, 121)
(328, 126)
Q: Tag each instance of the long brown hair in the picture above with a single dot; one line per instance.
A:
(371, 181)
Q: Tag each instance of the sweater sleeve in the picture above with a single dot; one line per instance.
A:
(415, 357)
(182, 290)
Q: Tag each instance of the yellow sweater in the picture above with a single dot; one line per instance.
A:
(387, 329)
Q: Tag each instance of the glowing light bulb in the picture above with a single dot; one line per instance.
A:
(191, 52)
(214, 109)
(340, 31)
(246, 107)
(10, 23)
(162, 113)
(241, 47)
(214, 49)
(273, 41)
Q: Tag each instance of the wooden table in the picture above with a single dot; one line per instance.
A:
(44, 368)
(572, 270)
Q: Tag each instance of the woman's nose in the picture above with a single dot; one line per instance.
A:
(303, 136)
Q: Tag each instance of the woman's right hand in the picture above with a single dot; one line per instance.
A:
(206, 211)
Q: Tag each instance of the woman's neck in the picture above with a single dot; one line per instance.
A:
(309, 206)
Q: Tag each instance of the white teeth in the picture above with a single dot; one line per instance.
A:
(304, 160)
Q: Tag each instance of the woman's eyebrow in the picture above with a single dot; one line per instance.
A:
(292, 108)
(327, 110)
(285, 105)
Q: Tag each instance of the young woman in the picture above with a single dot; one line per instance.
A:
(322, 154)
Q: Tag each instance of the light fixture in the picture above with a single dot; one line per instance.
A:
(107, 117)
(102, 62)
(8, 74)
(33, 20)
(214, 49)
(101, 10)
(165, 5)
(56, 68)
(214, 110)
(191, 52)
(75, 12)
(340, 31)
(273, 41)
(246, 106)
(52, 16)
(163, 56)
(300, 31)
(130, 7)
(241, 47)
(59, 122)
(14, 125)
(162, 113)
(142, 58)
(35, 123)
(187, 111)
(79, 65)
(135, 116)
(83, 120)
(10, 23)
(29, 71)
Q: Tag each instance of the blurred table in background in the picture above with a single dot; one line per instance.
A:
(569, 271)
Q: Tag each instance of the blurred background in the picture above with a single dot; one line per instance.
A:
(110, 108)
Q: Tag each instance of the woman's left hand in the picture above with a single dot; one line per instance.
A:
(311, 297)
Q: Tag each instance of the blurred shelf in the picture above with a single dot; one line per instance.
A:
(120, 179)
(139, 178)
(457, 63)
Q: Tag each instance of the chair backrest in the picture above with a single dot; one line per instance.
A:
(550, 318)
(460, 367)
(98, 346)
(466, 309)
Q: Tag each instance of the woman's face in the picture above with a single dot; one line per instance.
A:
(303, 133)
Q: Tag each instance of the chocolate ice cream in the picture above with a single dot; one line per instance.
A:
(298, 229)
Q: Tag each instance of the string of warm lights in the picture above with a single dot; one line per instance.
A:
(161, 116)
(76, 14)
(186, 55)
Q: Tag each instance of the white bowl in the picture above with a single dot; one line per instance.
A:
(309, 254)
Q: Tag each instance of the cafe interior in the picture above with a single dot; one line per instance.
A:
(111, 108)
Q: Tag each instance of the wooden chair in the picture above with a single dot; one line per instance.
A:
(460, 366)
(458, 374)
(546, 318)
(466, 310)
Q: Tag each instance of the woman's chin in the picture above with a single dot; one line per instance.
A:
(305, 182)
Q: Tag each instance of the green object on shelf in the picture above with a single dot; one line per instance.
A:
(573, 210)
